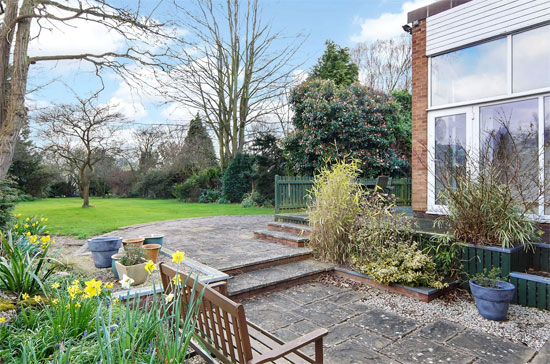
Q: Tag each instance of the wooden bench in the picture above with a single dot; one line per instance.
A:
(223, 329)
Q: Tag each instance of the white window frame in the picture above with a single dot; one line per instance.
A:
(472, 144)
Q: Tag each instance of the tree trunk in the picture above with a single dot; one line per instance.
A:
(16, 112)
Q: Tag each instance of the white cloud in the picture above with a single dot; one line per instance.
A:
(131, 109)
(178, 113)
(387, 25)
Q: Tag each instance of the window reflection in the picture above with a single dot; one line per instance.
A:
(450, 141)
(471, 73)
(531, 59)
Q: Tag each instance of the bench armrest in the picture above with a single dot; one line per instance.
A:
(290, 347)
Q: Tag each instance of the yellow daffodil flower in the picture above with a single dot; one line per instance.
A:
(27, 219)
(177, 280)
(150, 267)
(77, 304)
(37, 299)
(116, 300)
(42, 219)
(16, 226)
(2, 319)
(68, 306)
(55, 285)
(93, 288)
(25, 296)
(108, 285)
(25, 226)
(73, 290)
(28, 233)
(55, 301)
(18, 215)
(178, 257)
(76, 281)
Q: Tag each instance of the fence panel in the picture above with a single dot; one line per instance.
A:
(291, 193)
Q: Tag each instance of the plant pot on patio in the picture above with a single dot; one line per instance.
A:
(132, 263)
(152, 251)
(492, 295)
(133, 243)
(103, 249)
(115, 258)
(154, 239)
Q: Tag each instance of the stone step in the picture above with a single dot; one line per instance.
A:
(262, 280)
(281, 238)
(269, 259)
(296, 229)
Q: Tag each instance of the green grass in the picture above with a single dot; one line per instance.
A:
(66, 217)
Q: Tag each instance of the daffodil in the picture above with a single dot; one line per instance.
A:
(55, 285)
(18, 215)
(178, 257)
(37, 299)
(150, 267)
(28, 233)
(16, 226)
(55, 301)
(76, 281)
(126, 281)
(116, 300)
(25, 296)
(77, 304)
(68, 305)
(93, 288)
(74, 290)
(108, 285)
(169, 298)
(2, 319)
(27, 219)
(177, 280)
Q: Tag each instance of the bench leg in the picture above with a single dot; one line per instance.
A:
(319, 351)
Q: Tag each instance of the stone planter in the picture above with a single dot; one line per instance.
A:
(137, 272)
(115, 258)
(492, 303)
(103, 249)
(154, 239)
(133, 242)
(151, 251)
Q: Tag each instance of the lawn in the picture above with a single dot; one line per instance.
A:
(66, 217)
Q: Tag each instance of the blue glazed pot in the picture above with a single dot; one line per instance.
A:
(115, 258)
(492, 303)
(153, 239)
(103, 249)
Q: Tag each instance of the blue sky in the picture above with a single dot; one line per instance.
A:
(344, 21)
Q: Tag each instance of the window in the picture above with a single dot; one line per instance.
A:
(471, 73)
(531, 59)
(547, 153)
(450, 141)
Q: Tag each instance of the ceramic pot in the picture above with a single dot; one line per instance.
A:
(492, 303)
(133, 242)
(137, 272)
(154, 239)
(103, 249)
(115, 258)
(152, 251)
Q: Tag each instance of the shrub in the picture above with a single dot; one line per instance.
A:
(209, 196)
(269, 161)
(132, 256)
(156, 183)
(8, 195)
(252, 199)
(190, 190)
(223, 201)
(336, 201)
(237, 179)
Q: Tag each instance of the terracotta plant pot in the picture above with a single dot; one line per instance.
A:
(137, 272)
(133, 242)
(152, 251)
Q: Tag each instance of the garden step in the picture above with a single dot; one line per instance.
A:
(296, 229)
(268, 259)
(266, 279)
(281, 237)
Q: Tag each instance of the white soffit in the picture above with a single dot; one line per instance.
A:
(482, 19)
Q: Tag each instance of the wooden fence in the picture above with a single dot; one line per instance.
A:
(291, 193)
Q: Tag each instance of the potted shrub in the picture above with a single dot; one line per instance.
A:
(132, 263)
(492, 295)
(103, 248)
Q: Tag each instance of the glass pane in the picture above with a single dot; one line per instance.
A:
(531, 59)
(547, 154)
(471, 73)
(509, 143)
(450, 141)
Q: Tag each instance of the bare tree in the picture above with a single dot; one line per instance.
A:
(18, 16)
(385, 64)
(82, 135)
(230, 68)
(147, 141)
(172, 144)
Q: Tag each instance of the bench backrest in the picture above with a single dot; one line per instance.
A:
(221, 323)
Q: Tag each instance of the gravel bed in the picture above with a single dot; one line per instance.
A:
(526, 325)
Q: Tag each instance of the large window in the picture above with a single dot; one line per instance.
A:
(450, 140)
(468, 74)
(515, 64)
(531, 59)
(547, 153)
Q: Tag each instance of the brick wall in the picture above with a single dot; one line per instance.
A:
(419, 118)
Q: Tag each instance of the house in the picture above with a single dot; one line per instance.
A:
(473, 60)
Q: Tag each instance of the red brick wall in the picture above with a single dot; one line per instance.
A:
(419, 118)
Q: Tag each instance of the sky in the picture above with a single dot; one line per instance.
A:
(345, 22)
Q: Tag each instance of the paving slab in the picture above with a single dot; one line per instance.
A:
(271, 318)
(307, 293)
(417, 349)
(316, 312)
(355, 352)
(441, 331)
(386, 323)
(543, 356)
(491, 348)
